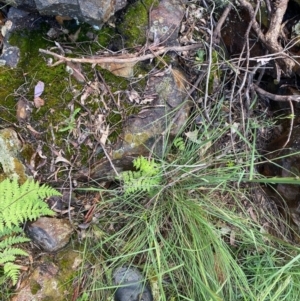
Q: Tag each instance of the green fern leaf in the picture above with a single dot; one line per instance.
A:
(11, 240)
(10, 231)
(25, 202)
(18, 204)
(12, 271)
(9, 253)
(179, 143)
(146, 178)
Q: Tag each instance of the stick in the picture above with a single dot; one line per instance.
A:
(276, 97)
(118, 59)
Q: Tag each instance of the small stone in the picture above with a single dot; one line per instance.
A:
(50, 234)
(134, 287)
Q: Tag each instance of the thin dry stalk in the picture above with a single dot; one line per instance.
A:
(128, 58)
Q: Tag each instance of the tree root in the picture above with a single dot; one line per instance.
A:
(271, 37)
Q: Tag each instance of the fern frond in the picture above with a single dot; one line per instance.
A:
(18, 204)
(11, 240)
(21, 203)
(12, 271)
(9, 254)
(10, 231)
(146, 178)
(179, 143)
(145, 166)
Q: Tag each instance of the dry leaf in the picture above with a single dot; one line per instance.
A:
(38, 102)
(88, 90)
(32, 130)
(119, 69)
(104, 136)
(146, 101)
(74, 37)
(24, 109)
(193, 136)
(133, 96)
(61, 19)
(62, 159)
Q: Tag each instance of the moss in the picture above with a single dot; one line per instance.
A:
(27, 152)
(105, 36)
(34, 287)
(19, 169)
(57, 93)
(68, 261)
(133, 26)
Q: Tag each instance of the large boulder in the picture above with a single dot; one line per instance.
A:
(94, 12)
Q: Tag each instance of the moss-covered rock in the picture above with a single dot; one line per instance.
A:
(10, 158)
(135, 22)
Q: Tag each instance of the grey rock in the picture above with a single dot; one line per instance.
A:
(94, 12)
(132, 285)
(50, 234)
(165, 22)
(10, 55)
(68, 8)
(146, 131)
(16, 13)
(23, 4)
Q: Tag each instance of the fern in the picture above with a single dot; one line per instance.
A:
(146, 178)
(18, 204)
(11, 271)
(179, 143)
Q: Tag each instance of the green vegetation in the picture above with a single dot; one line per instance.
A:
(189, 219)
(199, 234)
(133, 26)
(146, 178)
(70, 122)
(19, 204)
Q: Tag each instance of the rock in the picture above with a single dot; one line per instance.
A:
(147, 131)
(40, 284)
(49, 280)
(94, 12)
(10, 158)
(10, 55)
(51, 234)
(165, 22)
(133, 284)
(16, 19)
(168, 112)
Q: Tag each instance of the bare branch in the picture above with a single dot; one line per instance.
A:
(129, 58)
(270, 39)
(276, 97)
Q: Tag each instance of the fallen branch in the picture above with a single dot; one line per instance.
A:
(276, 97)
(129, 58)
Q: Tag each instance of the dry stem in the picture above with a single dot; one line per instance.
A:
(270, 39)
(128, 58)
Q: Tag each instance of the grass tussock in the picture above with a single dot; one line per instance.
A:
(200, 234)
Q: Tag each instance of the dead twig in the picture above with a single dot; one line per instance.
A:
(129, 58)
(270, 39)
(217, 31)
(276, 97)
